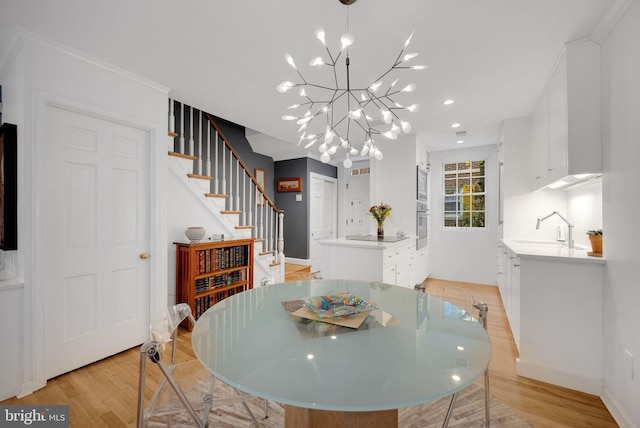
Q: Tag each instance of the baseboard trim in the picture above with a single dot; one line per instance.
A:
(586, 384)
(616, 411)
(27, 388)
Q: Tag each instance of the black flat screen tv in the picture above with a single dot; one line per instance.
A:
(8, 187)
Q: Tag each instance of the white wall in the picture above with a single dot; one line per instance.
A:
(393, 182)
(585, 209)
(464, 255)
(621, 205)
(36, 72)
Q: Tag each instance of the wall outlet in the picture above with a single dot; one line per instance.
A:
(628, 364)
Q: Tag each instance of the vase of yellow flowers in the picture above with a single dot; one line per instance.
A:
(380, 213)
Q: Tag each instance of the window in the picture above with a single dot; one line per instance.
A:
(464, 194)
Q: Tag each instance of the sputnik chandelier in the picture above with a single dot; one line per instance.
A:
(343, 117)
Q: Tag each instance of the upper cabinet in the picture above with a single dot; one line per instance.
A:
(566, 123)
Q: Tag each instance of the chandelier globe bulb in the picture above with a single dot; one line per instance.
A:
(289, 60)
(325, 157)
(320, 35)
(346, 40)
(347, 162)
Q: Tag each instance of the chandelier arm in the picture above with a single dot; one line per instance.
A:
(333, 61)
(384, 74)
(318, 86)
(302, 77)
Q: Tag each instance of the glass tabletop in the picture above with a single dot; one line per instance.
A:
(414, 349)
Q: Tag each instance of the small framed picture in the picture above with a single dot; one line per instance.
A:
(259, 173)
(290, 184)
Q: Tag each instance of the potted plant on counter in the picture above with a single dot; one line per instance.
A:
(595, 237)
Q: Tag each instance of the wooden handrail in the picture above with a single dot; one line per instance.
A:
(244, 166)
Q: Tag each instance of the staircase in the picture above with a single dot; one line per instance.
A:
(211, 171)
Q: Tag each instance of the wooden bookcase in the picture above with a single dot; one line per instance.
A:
(208, 272)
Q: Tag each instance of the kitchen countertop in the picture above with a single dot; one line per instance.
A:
(526, 248)
(380, 245)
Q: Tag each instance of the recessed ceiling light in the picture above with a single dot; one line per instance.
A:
(460, 141)
(455, 125)
(448, 102)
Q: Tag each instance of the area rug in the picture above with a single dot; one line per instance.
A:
(468, 412)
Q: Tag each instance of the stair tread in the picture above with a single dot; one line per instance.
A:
(199, 177)
(230, 212)
(214, 195)
(180, 155)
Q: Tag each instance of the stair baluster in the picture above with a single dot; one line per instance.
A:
(239, 188)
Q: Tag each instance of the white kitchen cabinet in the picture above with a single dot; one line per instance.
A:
(509, 287)
(566, 123)
(513, 268)
(554, 300)
(405, 259)
(396, 263)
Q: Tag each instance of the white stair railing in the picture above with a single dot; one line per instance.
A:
(216, 160)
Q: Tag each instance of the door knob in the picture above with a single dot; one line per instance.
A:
(144, 256)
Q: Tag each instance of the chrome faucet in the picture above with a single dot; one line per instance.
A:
(570, 226)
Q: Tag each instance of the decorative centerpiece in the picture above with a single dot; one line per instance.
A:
(380, 213)
(195, 234)
(595, 237)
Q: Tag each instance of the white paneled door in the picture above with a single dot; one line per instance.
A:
(97, 235)
(323, 208)
(358, 220)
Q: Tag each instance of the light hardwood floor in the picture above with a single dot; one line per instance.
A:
(104, 394)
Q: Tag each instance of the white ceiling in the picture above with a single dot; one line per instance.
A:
(226, 57)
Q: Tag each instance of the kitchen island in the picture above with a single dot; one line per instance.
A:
(396, 260)
(553, 299)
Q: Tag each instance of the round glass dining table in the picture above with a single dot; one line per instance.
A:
(415, 348)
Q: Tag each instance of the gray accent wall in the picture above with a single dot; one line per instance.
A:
(296, 214)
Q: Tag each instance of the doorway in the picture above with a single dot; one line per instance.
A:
(96, 210)
(323, 209)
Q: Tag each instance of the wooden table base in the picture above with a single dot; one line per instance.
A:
(299, 417)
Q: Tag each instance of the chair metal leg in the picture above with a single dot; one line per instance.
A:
(487, 416)
(180, 394)
(445, 424)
